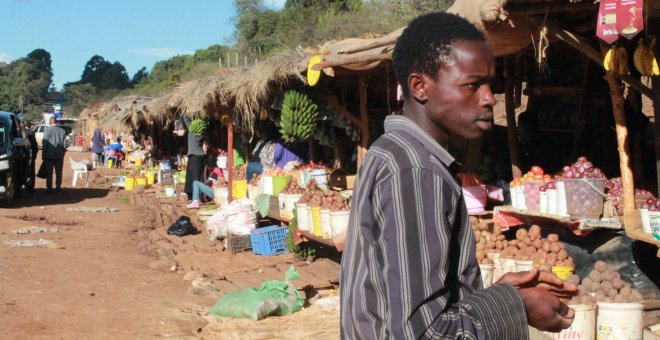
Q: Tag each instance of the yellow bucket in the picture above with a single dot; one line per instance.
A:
(316, 221)
(109, 163)
(239, 189)
(138, 161)
(151, 178)
(563, 272)
(141, 181)
(129, 183)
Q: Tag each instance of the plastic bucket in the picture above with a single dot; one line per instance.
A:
(320, 176)
(646, 220)
(563, 272)
(523, 266)
(552, 201)
(497, 265)
(142, 181)
(239, 189)
(220, 195)
(543, 202)
(279, 183)
(508, 265)
(301, 215)
(339, 221)
(109, 163)
(520, 191)
(583, 326)
(290, 203)
(583, 197)
(222, 162)
(129, 183)
(280, 202)
(138, 162)
(487, 274)
(303, 178)
(654, 223)
(151, 178)
(170, 192)
(268, 185)
(561, 199)
(326, 228)
(514, 197)
(475, 199)
(315, 218)
(532, 195)
(253, 192)
(619, 321)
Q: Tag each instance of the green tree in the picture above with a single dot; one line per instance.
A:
(104, 74)
(140, 75)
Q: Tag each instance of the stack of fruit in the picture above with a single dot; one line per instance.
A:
(299, 117)
(603, 285)
(293, 188)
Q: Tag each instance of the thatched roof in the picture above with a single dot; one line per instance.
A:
(111, 113)
(243, 90)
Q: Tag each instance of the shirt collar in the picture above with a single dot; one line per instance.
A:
(405, 124)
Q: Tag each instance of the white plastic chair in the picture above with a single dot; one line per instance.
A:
(78, 170)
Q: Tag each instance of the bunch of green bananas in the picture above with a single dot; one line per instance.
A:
(299, 116)
(198, 126)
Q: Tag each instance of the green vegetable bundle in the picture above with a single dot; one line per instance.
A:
(198, 126)
(299, 117)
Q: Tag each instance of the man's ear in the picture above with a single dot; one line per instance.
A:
(417, 87)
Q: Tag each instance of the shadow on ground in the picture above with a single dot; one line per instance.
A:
(67, 196)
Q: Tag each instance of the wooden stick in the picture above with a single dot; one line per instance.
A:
(511, 126)
(353, 60)
(342, 111)
(622, 142)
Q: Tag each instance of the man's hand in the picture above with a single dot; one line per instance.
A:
(544, 311)
(564, 291)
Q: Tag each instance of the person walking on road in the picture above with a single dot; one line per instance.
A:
(52, 154)
(34, 149)
(98, 145)
(409, 268)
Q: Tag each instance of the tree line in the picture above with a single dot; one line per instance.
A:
(259, 31)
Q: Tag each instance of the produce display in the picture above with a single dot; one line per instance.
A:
(293, 188)
(198, 126)
(487, 241)
(603, 285)
(255, 179)
(616, 60)
(275, 172)
(239, 173)
(299, 117)
(644, 58)
(315, 197)
(582, 169)
(643, 198)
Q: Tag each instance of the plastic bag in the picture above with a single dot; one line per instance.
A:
(272, 298)
(181, 227)
(238, 218)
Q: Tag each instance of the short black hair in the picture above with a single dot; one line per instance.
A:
(426, 44)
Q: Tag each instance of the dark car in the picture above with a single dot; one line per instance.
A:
(14, 157)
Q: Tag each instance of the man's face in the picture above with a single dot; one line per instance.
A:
(460, 101)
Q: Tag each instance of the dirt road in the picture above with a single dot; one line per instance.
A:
(93, 280)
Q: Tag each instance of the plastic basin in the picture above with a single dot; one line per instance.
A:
(583, 198)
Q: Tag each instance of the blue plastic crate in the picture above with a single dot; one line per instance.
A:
(269, 241)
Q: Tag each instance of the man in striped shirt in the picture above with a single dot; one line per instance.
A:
(409, 269)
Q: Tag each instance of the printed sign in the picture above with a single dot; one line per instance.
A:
(607, 17)
(629, 18)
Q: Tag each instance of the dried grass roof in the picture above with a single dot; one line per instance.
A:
(111, 114)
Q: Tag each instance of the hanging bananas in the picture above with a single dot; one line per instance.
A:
(616, 60)
(299, 116)
(644, 58)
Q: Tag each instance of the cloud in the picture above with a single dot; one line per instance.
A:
(160, 52)
(5, 58)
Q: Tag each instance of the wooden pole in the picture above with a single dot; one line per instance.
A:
(230, 155)
(655, 81)
(583, 109)
(622, 142)
(364, 119)
(511, 125)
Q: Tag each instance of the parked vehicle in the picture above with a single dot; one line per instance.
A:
(14, 157)
(39, 133)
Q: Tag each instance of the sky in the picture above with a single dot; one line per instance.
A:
(135, 33)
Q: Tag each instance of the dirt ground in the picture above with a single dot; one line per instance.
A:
(93, 280)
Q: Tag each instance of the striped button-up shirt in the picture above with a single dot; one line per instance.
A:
(409, 268)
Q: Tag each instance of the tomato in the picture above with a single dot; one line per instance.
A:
(536, 170)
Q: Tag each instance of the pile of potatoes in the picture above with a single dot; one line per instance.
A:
(315, 197)
(487, 241)
(311, 195)
(603, 285)
(293, 188)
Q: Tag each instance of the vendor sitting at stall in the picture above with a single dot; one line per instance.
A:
(199, 188)
(116, 149)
